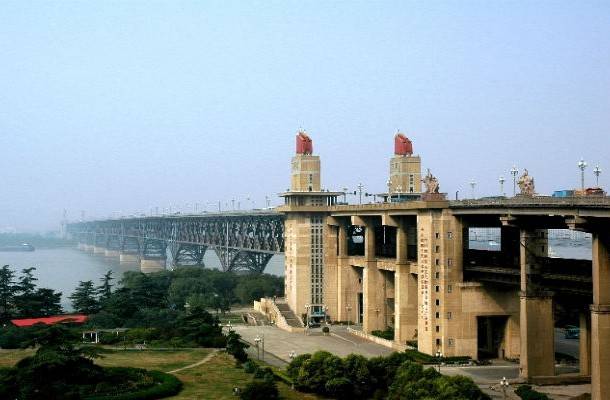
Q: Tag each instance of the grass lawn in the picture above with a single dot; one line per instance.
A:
(8, 358)
(210, 381)
(217, 378)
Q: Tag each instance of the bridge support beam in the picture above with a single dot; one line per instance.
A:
(600, 317)
(149, 265)
(99, 250)
(536, 310)
(126, 258)
(585, 344)
(347, 282)
(373, 281)
(405, 293)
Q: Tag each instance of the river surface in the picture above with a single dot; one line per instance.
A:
(61, 269)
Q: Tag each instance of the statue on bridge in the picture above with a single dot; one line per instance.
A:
(526, 184)
(431, 183)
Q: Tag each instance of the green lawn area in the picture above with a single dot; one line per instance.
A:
(217, 378)
(210, 381)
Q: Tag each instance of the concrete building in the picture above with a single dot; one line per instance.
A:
(405, 263)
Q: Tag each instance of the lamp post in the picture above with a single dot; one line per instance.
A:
(597, 171)
(501, 180)
(439, 357)
(473, 184)
(345, 195)
(360, 187)
(258, 340)
(582, 165)
(389, 184)
(514, 171)
(348, 308)
(504, 385)
(292, 355)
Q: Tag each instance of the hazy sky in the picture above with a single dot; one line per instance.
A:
(126, 106)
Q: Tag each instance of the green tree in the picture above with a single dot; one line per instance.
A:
(7, 293)
(48, 302)
(84, 298)
(105, 289)
(25, 300)
(236, 347)
(260, 390)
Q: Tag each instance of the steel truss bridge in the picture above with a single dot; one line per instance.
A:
(242, 241)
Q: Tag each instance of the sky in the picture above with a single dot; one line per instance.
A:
(118, 107)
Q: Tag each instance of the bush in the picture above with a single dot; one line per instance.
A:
(260, 390)
(527, 393)
(250, 367)
(387, 333)
(165, 385)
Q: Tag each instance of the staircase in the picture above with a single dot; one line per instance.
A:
(288, 315)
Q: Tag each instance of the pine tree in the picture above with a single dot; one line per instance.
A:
(7, 293)
(105, 289)
(48, 302)
(83, 299)
(25, 300)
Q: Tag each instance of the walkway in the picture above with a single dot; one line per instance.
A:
(198, 363)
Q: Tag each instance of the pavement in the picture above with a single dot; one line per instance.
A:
(278, 344)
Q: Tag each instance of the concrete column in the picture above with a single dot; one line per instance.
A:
(99, 250)
(536, 310)
(405, 304)
(372, 282)
(150, 265)
(585, 344)
(111, 253)
(344, 283)
(129, 258)
(600, 318)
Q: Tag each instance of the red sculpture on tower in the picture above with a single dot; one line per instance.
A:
(402, 145)
(304, 143)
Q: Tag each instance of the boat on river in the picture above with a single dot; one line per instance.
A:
(20, 247)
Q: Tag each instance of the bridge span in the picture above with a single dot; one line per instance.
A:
(243, 241)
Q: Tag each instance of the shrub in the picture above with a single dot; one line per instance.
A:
(527, 393)
(264, 374)
(339, 388)
(295, 365)
(165, 385)
(250, 367)
(260, 390)
(387, 333)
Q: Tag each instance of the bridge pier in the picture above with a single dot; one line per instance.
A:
(149, 265)
(584, 344)
(127, 258)
(405, 292)
(99, 250)
(373, 282)
(536, 310)
(600, 317)
(111, 253)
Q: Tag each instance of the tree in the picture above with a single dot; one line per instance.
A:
(105, 289)
(260, 390)
(83, 298)
(7, 293)
(48, 302)
(236, 347)
(25, 300)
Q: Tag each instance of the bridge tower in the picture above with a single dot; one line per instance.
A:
(306, 209)
(405, 168)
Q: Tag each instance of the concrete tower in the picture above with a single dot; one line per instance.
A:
(405, 168)
(305, 166)
(305, 207)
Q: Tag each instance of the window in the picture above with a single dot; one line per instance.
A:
(437, 275)
(437, 315)
(438, 328)
(450, 342)
(449, 288)
(449, 235)
(450, 262)
(437, 262)
(438, 302)
(437, 235)
(437, 288)
(449, 315)
(438, 342)
(437, 249)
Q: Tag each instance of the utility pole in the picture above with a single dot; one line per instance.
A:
(582, 165)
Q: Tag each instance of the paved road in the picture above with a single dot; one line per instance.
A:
(281, 343)
(566, 346)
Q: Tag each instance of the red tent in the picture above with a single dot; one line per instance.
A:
(56, 319)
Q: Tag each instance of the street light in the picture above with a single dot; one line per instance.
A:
(360, 187)
(345, 195)
(473, 184)
(596, 171)
(348, 308)
(504, 385)
(514, 171)
(292, 355)
(501, 180)
(582, 165)
(260, 340)
(439, 357)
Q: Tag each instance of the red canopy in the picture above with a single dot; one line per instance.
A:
(56, 319)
